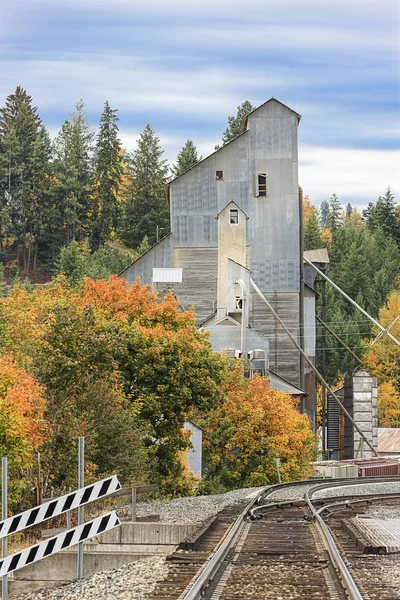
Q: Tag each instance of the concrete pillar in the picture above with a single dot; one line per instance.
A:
(360, 399)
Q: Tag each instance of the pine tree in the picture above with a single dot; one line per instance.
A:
(187, 158)
(324, 213)
(108, 173)
(40, 209)
(146, 211)
(368, 215)
(74, 148)
(335, 216)
(349, 210)
(312, 231)
(385, 215)
(20, 127)
(235, 124)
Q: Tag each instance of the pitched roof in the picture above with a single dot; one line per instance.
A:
(235, 203)
(263, 104)
(240, 134)
(317, 256)
(144, 253)
(206, 157)
(280, 383)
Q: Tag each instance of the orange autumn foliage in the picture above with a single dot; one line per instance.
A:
(22, 406)
(254, 425)
(388, 406)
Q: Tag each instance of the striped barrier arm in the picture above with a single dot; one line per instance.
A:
(59, 542)
(58, 506)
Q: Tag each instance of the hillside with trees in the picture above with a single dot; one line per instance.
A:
(364, 253)
(84, 355)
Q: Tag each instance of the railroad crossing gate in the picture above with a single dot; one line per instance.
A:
(66, 539)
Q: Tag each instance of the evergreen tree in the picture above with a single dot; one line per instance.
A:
(349, 210)
(235, 123)
(73, 167)
(385, 214)
(146, 211)
(335, 216)
(21, 160)
(324, 213)
(312, 231)
(187, 158)
(41, 206)
(108, 173)
(368, 215)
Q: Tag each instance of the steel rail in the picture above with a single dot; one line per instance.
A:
(336, 558)
(347, 580)
(210, 568)
(334, 554)
(372, 498)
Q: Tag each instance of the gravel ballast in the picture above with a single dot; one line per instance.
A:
(359, 489)
(295, 492)
(193, 509)
(131, 582)
(135, 581)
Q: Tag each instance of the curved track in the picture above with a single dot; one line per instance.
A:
(277, 548)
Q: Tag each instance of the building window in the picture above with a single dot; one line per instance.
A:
(233, 216)
(219, 175)
(261, 184)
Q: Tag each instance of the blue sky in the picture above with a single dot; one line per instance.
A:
(184, 66)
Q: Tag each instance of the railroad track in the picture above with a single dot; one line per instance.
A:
(286, 551)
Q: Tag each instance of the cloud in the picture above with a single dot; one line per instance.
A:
(356, 176)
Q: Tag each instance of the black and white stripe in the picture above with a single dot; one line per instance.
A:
(59, 542)
(59, 506)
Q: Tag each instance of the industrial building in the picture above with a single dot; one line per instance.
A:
(237, 215)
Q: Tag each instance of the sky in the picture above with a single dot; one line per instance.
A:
(184, 66)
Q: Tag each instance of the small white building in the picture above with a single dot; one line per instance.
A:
(195, 454)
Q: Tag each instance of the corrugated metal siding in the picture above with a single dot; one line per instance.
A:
(284, 357)
(229, 336)
(270, 145)
(158, 256)
(199, 279)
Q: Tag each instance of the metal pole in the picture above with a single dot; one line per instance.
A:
(81, 484)
(4, 515)
(323, 390)
(278, 464)
(380, 334)
(364, 312)
(39, 492)
(307, 359)
(133, 504)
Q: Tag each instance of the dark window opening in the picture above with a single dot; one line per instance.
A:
(234, 216)
(261, 184)
(239, 303)
(219, 175)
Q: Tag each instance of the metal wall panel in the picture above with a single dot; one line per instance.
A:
(199, 279)
(158, 256)
(269, 145)
(284, 358)
(229, 336)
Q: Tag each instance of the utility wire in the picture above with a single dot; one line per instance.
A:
(313, 367)
(396, 341)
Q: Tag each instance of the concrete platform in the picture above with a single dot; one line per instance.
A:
(126, 544)
(381, 533)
